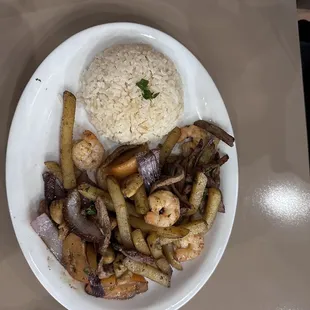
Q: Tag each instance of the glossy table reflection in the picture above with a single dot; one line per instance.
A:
(250, 48)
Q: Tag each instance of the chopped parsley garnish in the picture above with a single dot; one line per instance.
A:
(146, 93)
(205, 194)
(91, 210)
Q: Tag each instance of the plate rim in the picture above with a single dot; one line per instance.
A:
(9, 149)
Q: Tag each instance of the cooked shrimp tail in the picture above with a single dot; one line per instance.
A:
(165, 209)
(189, 247)
(88, 153)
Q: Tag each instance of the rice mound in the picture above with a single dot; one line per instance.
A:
(114, 102)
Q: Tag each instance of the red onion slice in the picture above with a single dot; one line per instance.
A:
(48, 232)
(148, 166)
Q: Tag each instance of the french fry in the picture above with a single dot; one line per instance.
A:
(131, 184)
(154, 245)
(139, 242)
(198, 189)
(212, 206)
(108, 256)
(164, 266)
(173, 232)
(169, 144)
(169, 254)
(148, 271)
(141, 201)
(121, 212)
(67, 123)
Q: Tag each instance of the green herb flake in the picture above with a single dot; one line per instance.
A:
(146, 93)
(142, 84)
(91, 210)
(86, 271)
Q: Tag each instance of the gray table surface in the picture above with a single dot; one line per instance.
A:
(250, 48)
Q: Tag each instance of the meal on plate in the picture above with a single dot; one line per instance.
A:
(148, 209)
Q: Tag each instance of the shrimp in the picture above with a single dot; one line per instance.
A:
(87, 154)
(165, 209)
(189, 247)
(193, 132)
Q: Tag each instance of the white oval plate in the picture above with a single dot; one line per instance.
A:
(34, 138)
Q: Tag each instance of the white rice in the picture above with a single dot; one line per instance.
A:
(114, 102)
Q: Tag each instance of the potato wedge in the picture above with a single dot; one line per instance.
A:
(163, 241)
(169, 144)
(117, 153)
(174, 232)
(154, 245)
(129, 154)
(74, 258)
(108, 256)
(56, 211)
(198, 189)
(164, 266)
(131, 184)
(67, 123)
(125, 287)
(167, 232)
(148, 272)
(120, 292)
(119, 268)
(139, 242)
(212, 206)
(92, 192)
(194, 227)
(141, 201)
(55, 169)
(127, 277)
(109, 282)
(122, 170)
(131, 209)
(139, 223)
(91, 256)
(121, 212)
(169, 254)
